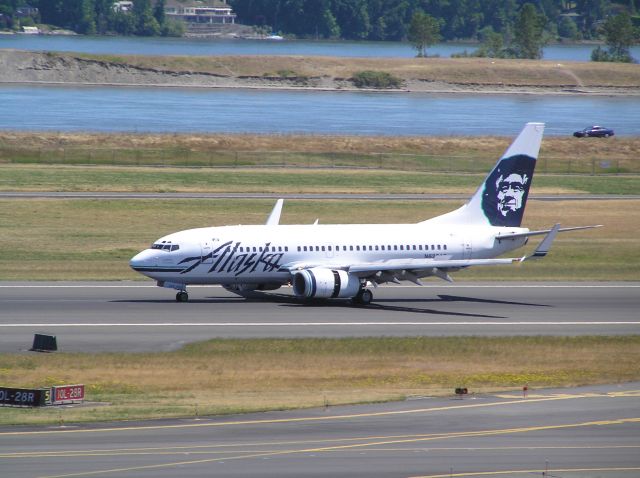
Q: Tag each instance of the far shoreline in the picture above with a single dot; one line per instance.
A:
(458, 89)
(332, 74)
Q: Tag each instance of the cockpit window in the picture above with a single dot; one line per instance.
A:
(165, 246)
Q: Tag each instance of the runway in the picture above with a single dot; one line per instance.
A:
(585, 432)
(138, 316)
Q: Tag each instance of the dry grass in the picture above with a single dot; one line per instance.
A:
(462, 71)
(222, 376)
(95, 239)
(617, 148)
(437, 154)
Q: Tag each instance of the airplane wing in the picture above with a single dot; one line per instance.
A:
(274, 217)
(394, 270)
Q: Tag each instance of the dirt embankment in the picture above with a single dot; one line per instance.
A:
(437, 75)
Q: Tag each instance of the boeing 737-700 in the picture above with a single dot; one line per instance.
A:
(340, 261)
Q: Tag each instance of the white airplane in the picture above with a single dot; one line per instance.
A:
(340, 261)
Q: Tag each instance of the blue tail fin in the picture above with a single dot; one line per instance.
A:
(501, 199)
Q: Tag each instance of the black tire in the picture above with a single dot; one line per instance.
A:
(364, 297)
(182, 297)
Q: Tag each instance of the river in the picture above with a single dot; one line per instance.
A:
(190, 46)
(168, 110)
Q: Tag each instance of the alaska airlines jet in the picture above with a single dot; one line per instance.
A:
(340, 261)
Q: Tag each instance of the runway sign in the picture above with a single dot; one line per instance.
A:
(23, 397)
(67, 394)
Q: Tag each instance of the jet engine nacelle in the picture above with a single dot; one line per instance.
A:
(325, 283)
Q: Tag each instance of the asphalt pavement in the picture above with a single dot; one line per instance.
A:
(585, 432)
(138, 316)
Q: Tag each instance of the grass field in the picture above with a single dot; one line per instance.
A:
(233, 375)
(94, 239)
(45, 240)
(437, 154)
(283, 181)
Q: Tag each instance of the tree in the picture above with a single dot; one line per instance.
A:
(592, 12)
(619, 35)
(158, 12)
(424, 31)
(86, 23)
(146, 24)
(567, 28)
(529, 33)
(492, 44)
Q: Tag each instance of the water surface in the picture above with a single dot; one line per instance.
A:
(52, 108)
(202, 47)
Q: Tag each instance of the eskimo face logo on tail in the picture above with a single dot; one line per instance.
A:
(506, 190)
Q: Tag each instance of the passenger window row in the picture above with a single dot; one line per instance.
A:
(395, 247)
(265, 249)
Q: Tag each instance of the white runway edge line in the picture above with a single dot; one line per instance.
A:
(306, 324)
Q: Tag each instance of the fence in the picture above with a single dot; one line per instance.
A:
(286, 159)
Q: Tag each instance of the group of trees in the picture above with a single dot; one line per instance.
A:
(529, 37)
(94, 16)
(620, 35)
(506, 28)
(391, 19)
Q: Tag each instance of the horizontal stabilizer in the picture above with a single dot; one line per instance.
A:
(500, 237)
(542, 249)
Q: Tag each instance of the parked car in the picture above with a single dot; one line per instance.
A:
(597, 131)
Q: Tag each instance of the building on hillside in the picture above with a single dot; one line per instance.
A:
(26, 11)
(200, 11)
(123, 6)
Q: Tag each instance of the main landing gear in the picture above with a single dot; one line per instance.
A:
(182, 296)
(364, 297)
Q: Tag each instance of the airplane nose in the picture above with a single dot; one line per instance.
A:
(146, 258)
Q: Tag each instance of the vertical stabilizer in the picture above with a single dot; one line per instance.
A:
(501, 199)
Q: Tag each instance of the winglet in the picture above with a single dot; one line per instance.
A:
(274, 217)
(545, 245)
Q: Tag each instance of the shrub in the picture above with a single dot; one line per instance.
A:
(375, 79)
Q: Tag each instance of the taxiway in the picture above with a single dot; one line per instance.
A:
(588, 432)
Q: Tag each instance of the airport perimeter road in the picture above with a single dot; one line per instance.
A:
(312, 196)
(586, 433)
(138, 316)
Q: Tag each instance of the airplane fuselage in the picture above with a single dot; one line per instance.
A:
(256, 253)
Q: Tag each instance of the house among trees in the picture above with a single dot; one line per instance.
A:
(26, 11)
(200, 11)
(123, 6)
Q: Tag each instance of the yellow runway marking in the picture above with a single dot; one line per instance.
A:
(527, 472)
(626, 393)
(210, 450)
(357, 445)
(519, 401)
